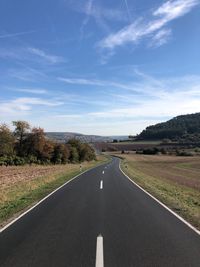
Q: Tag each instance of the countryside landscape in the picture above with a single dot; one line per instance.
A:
(164, 159)
(100, 133)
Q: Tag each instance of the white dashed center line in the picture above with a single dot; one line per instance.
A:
(99, 252)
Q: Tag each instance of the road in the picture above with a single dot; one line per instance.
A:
(135, 230)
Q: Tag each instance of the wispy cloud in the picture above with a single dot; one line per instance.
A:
(88, 10)
(127, 8)
(25, 73)
(10, 35)
(32, 91)
(160, 38)
(24, 104)
(173, 96)
(52, 59)
(151, 89)
(141, 28)
(30, 54)
(99, 14)
(81, 81)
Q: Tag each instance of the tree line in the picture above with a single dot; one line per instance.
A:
(26, 145)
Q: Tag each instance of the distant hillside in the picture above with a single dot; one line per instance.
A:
(65, 136)
(184, 127)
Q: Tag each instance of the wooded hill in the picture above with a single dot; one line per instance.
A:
(184, 128)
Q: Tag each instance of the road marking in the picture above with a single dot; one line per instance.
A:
(162, 204)
(101, 184)
(103, 172)
(99, 252)
(37, 204)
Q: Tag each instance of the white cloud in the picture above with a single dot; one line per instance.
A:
(52, 59)
(140, 29)
(152, 88)
(10, 35)
(160, 38)
(127, 8)
(29, 54)
(32, 91)
(27, 74)
(99, 14)
(23, 104)
(82, 81)
(174, 9)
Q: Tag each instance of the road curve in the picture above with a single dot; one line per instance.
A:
(100, 206)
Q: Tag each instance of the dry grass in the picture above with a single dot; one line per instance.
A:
(173, 180)
(12, 179)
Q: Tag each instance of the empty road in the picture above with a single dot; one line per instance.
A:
(99, 218)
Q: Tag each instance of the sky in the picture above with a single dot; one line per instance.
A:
(105, 67)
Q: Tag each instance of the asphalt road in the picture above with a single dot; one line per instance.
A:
(63, 230)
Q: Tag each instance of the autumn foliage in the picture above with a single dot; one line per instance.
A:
(26, 145)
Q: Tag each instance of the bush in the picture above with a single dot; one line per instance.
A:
(151, 151)
(18, 161)
(32, 160)
(12, 161)
(183, 153)
(163, 151)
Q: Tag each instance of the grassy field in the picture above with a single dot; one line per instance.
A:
(23, 186)
(173, 180)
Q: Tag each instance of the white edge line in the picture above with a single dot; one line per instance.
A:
(38, 203)
(99, 252)
(162, 204)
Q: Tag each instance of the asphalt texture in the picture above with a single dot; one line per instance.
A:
(136, 230)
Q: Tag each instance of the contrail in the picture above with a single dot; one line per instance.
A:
(9, 35)
(127, 8)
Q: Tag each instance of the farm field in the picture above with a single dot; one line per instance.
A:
(22, 186)
(173, 180)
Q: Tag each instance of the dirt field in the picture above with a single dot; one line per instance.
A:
(13, 176)
(180, 170)
(174, 180)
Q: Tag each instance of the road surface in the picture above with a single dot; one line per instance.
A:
(99, 217)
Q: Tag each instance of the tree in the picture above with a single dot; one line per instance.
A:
(86, 153)
(6, 141)
(61, 154)
(38, 146)
(74, 155)
(21, 131)
(81, 152)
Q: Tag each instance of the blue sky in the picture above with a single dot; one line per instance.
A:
(107, 67)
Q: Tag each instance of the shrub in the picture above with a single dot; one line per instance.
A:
(183, 153)
(150, 151)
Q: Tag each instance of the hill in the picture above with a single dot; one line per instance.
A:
(181, 128)
(63, 137)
